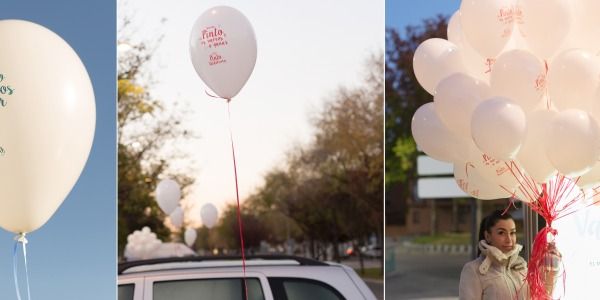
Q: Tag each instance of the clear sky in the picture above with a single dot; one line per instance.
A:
(400, 13)
(306, 50)
(73, 255)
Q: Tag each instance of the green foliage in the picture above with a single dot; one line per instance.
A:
(331, 190)
(403, 96)
(144, 127)
(445, 239)
(405, 151)
(370, 273)
(253, 228)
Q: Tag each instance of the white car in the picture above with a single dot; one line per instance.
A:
(219, 278)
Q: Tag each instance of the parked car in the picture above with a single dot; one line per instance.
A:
(215, 278)
(373, 251)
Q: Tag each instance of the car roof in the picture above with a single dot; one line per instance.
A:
(188, 262)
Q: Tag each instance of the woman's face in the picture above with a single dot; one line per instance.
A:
(503, 235)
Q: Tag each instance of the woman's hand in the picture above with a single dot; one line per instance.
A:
(552, 262)
(552, 259)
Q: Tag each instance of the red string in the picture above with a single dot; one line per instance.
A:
(237, 195)
(537, 267)
(551, 201)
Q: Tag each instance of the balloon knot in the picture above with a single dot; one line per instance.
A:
(21, 238)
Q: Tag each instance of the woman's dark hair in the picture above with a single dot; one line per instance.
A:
(488, 222)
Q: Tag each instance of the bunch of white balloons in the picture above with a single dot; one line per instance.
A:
(141, 244)
(168, 195)
(516, 95)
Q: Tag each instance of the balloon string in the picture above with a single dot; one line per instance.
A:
(216, 97)
(23, 241)
(237, 194)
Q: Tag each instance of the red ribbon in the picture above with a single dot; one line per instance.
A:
(237, 193)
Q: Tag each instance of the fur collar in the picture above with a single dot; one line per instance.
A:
(493, 255)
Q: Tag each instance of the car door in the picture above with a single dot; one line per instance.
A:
(211, 286)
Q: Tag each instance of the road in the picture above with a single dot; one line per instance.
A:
(425, 276)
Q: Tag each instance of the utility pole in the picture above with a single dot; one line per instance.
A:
(475, 220)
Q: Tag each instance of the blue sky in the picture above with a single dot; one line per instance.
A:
(400, 13)
(73, 256)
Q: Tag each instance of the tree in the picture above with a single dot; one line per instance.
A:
(332, 188)
(253, 229)
(144, 127)
(403, 96)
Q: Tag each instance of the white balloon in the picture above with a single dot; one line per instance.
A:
(455, 100)
(47, 116)
(596, 105)
(519, 76)
(586, 27)
(434, 138)
(168, 194)
(498, 127)
(434, 60)
(494, 170)
(487, 24)
(545, 24)
(532, 155)
(223, 50)
(592, 24)
(472, 183)
(454, 31)
(476, 65)
(177, 217)
(591, 178)
(190, 236)
(172, 250)
(573, 78)
(209, 215)
(574, 145)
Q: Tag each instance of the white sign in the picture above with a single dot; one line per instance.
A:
(444, 187)
(578, 240)
(427, 166)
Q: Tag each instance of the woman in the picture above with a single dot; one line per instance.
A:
(499, 272)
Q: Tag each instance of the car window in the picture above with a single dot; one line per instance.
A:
(302, 289)
(126, 291)
(209, 289)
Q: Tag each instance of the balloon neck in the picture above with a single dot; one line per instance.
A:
(217, 97)
(21, 238)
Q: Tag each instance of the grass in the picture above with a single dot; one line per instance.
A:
(371, 273)
(445, 239)
(463, 238)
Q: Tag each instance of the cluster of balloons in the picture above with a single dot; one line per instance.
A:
(516, 95)
(143, 244)
(48, 119)
(168, 195)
